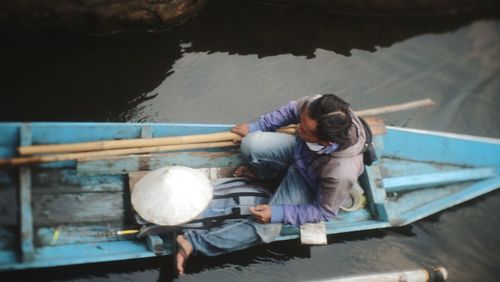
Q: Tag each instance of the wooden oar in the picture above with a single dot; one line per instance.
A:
(177, 140)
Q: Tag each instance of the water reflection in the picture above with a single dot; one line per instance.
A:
(244, 28)
(446, 68)
(106, 78)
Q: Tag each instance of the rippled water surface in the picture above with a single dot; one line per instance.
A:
(235, 61)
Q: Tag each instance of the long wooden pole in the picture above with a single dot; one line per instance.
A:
(376, 124)
(109, 153)
(127, 143)
(396, 108)
(437, 274)
(177, 140)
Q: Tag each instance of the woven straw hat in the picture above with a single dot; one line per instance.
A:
(171, 195)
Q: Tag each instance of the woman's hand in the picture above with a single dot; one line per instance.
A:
(262, 213)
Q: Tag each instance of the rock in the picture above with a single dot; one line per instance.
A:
(96, 15)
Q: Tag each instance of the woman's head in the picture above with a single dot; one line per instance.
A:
(326, 120)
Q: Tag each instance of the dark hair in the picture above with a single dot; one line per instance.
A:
(333, 118)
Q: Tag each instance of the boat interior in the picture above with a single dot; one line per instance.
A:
(75, 212)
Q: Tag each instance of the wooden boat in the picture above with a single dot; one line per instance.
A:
(71, 212)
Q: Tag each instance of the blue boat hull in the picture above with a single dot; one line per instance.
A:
(62, 213)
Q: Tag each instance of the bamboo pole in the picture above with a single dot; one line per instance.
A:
(436, 274)
(128, 151)
(177, 140)
(128, 143)
(109, 153)
(396, 108)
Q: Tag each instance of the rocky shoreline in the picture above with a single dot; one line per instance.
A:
(97, 15)
(112, 15)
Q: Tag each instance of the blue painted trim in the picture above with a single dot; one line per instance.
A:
(26, 136)
(146, 132)
(121, 124)
(58, 133)
(400, 167)
(444, 148)
(343, 227)
(26, 240)
(410, 182)
(83, 253)
(471, 192)
(376, 193)
(8, 256)
(378, 144)
(355, 218)
(9, 133)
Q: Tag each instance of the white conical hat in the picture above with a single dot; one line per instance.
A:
(171, 195)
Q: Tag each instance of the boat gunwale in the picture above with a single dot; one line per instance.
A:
(466, 137)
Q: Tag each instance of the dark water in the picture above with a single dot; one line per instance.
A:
(235, 61)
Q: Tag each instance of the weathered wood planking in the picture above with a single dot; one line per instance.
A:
(63, 235)
(402, 202)
(55, 209)
(57, 181)
(25, 200)
(9, 211)
(344, 222)
(77, 132)
(471, 191)
(415, 181)
(63, 197)
(8, 237)
(376, 195)
(126, 164)
(441, 147)
(394, 167)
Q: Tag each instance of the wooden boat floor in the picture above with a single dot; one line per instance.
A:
(71, 208)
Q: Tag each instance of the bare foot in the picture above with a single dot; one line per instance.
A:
(245, 171)
(185, 249)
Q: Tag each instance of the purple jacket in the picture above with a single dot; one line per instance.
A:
(331, 174)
